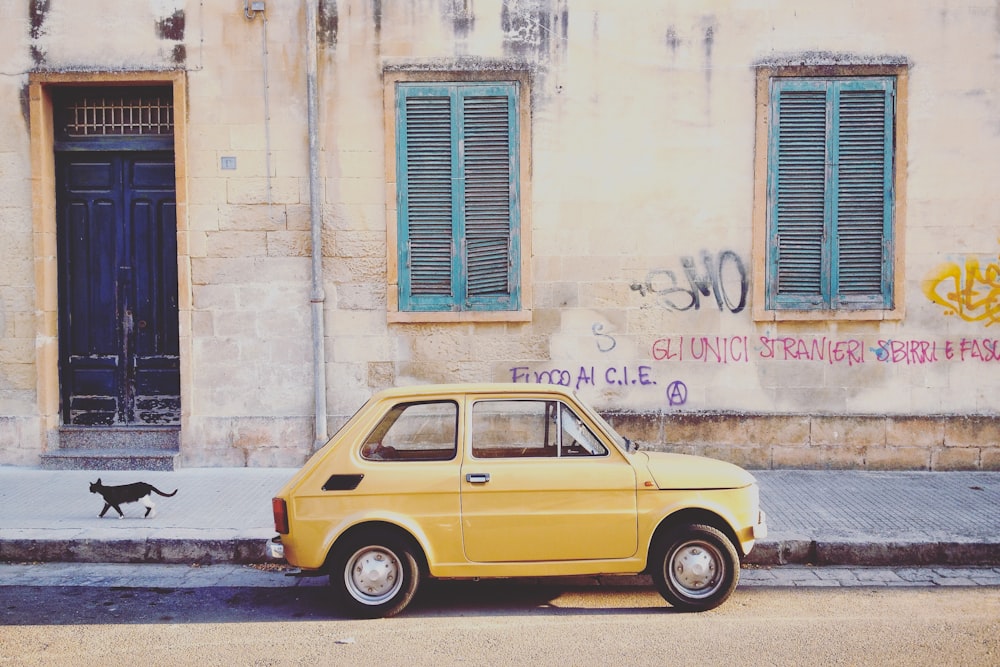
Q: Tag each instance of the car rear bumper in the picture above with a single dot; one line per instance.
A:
(274, 549)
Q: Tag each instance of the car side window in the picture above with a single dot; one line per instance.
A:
(415, 432)
(530, 428)
(575, 438)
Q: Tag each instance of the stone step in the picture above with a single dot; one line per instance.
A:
(119, 437)
(110, 459)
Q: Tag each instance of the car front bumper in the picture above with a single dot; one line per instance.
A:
(760, 528)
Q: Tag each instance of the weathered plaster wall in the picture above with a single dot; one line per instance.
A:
(642, 179)
(19, 436)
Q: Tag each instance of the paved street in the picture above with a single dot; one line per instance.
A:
(497, 623)
(112, 575)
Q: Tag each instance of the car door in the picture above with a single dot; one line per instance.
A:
(538, 485)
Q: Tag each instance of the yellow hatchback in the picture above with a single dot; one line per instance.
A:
(508, 480)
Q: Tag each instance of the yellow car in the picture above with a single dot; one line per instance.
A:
(507, 480)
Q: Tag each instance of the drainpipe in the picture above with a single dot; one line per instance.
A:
(317, 295)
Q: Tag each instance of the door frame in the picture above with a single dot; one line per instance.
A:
(43, 186)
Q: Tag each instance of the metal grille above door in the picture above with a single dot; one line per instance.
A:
(85, 117)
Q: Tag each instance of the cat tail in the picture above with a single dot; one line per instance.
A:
(165, 495)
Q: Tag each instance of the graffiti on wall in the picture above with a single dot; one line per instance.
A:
(672, 355)
(824, 349)
(724, 278)
(971, 292)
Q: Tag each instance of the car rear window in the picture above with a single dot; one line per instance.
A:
(424, 431)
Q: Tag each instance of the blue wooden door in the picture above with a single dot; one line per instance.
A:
(118, 326)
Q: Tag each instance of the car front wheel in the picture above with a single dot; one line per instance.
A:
(695, 567)
(374, 574)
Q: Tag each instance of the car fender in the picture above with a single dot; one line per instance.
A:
(394, 520)
(709, 506)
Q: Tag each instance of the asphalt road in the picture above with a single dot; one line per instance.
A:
(495, 623)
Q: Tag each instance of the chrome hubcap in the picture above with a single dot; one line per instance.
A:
(696, 567)
(372, 575)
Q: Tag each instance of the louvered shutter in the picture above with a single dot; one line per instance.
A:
(457, 168)
(863, 187)
(798, 194)
(830, 194)
(490, 207)
(426, 207)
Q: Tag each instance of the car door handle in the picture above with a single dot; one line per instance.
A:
(477, 477)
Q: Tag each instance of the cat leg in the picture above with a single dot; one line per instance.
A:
(147, 500)
(107, 506)
(121, 515)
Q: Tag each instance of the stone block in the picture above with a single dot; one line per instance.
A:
(990, 459)
(640, 427)
(236, 244)
(789, 431)
(368, 268)
(754, 458)
(381, 374)
(971, 431)
(255, 191)
(208, 190)
(691, 428)
(818, 458)
(289, 244)
(855, 432)
(355, 190)
(955, 458)
(220, 271)
(898, 458)
(251, 217)
(361, 297)
(345, 244)
(923, 432)
(361, 163)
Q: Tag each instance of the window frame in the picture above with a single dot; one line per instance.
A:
(372, 445)
(398, 307)
(553, 444)
(767, 306)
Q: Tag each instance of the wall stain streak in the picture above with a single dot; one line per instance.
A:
(463, 18)
(328, 22)
(534, 28)
(38, 11)
(709, 44)
(673, 41)
(172, 28)
(377, 17)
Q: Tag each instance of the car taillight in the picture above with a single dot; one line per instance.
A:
(280, 510)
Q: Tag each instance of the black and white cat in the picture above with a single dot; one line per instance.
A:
(128, 493)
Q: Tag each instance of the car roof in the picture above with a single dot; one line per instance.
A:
(469, 388)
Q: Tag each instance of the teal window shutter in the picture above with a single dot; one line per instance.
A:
(830, 194)
(459, 220)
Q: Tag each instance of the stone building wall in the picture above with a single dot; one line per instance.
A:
(643, 196)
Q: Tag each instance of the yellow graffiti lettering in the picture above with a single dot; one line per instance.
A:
(972, 294)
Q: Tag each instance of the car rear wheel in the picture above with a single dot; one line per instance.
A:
(695, 567)
(374, 574)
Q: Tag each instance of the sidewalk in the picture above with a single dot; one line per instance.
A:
(223, 515)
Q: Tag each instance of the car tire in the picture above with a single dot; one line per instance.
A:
(374, 574)
(695, 567)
